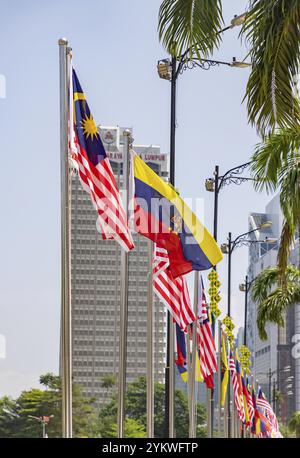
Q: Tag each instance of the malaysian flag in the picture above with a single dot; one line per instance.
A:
(87, 152)
(205, 340)
(249, 402)
(173, 292)
(237, 388)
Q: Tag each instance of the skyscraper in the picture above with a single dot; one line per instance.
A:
(96, 287)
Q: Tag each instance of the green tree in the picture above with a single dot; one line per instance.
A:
(8, 417)
(285, 431)
(276, 167)
(294, 423)
(14, 414)
(108, 382)
(50, 381)
(135, 408)
(186, 23)
(132, 429)
(273, 297)
(273, 35)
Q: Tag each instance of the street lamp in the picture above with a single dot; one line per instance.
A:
(44, 420)
(245, 288)
(215, 184)
(164, 69)
(228, 248)
(238, 20)
(240, 240)
(170, 69)
(239, 64)
(232, 176)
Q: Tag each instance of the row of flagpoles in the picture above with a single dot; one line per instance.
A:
(169, 261)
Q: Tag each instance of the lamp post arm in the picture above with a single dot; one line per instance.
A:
(231, 173)
(204, 64)
(192, 48)
(239, 237)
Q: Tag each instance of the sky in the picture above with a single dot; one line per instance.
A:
(115, 48)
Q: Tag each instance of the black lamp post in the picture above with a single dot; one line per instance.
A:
(232, 176)
(228, 248)
(215, 184)
(245, 287)
(170, 69)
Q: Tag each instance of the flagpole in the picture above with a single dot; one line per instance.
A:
(171, 379)
(192, 412)
(150, 378)
(219, 376)
(188, 364)
(124, 295)
(66, 318)
(169, 373)
(226, 409)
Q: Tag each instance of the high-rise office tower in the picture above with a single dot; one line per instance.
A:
(96, 287)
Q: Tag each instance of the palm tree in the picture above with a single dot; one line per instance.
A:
(294, 423)
(272, 31)
(276, 166)
(184, 24)
(273, 300)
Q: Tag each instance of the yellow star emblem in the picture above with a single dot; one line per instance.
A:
(89, 127)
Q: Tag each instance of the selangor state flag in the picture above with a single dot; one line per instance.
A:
(162, 216)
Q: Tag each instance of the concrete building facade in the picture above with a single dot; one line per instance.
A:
(95, 291)
(274, 363)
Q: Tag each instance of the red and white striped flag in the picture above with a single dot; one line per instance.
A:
(206, 341)
(250, 407)
(237, 389)
(87, 153)
(262, 403)
(173, 292)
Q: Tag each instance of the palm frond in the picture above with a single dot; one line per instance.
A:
(187, 23)
(264, 283)
(273, 308)
(272, 303)
(286, 240)
(276, 165)
(273, 33)
(289, 180)
(270, 155)
(294, 422)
